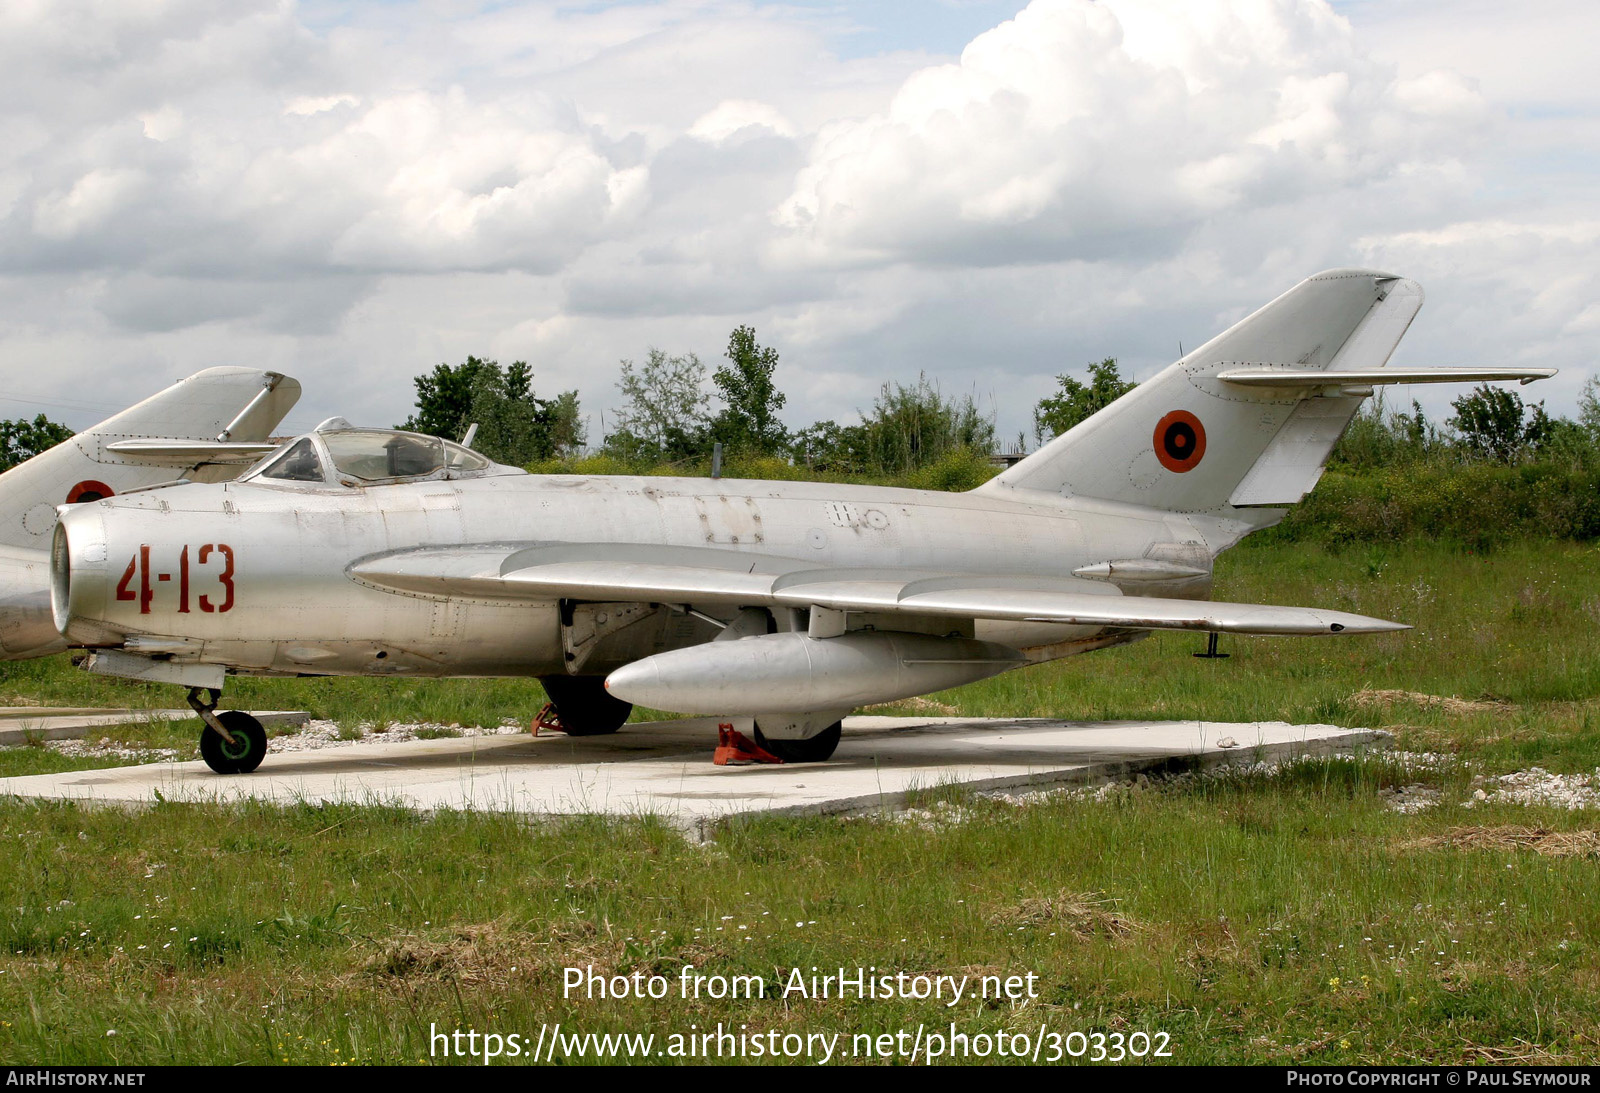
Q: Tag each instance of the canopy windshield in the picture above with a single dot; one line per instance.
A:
(298, 464)
(379, 455)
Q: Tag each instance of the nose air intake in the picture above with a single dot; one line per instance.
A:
(78, 585)
(60, 578)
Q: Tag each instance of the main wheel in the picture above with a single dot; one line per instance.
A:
(813, 749)
(584, 706)
(242, 756)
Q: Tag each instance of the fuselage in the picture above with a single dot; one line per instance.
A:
(26, 626)
(254, 574)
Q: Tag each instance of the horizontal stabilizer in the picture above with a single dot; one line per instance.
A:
(1370, 377)
(169, 452)
(609, 572)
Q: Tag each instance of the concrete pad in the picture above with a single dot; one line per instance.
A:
(28, 713)
(20, 724)
(665, 769)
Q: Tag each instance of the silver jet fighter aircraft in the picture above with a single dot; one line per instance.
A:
(205, 428)
(377, 552)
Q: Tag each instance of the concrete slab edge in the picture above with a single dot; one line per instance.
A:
(705, 828)
(16, 730)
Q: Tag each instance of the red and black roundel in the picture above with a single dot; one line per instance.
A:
(88, 490)
(1180, 441)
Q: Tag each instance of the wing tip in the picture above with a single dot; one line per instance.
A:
(1368, 626)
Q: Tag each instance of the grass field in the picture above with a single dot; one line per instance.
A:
(1279, 917)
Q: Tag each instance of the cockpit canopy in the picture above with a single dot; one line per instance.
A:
(367, 457)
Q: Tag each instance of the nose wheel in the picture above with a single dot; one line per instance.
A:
(233, 742)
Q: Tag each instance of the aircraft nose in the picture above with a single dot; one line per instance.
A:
(78, 576)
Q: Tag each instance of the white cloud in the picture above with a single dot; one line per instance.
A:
(1536, 54)
(355, 192)
(736, 115)
(1083, 127)
(88, 204)
(306, 105)
(163, 124)
(1506, 292)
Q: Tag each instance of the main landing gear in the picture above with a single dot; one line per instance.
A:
(734, 749)
(583, 705)
(813, 749)
(232, 742)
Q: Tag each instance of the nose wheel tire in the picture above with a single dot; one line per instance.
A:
(242, 756)
(813, 749)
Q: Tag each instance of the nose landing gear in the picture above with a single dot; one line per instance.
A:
(233, 742)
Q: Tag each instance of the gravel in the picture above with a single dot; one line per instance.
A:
(1537, 786)
(312, 736)
(1410, 799)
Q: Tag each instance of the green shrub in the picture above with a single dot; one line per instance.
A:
(961, 469)
(1478, 505)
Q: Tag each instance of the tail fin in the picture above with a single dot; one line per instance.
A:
(201, 407)
(1188, 441)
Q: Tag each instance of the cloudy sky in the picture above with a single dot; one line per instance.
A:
(351, 192)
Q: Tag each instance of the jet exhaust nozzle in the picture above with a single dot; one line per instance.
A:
(783, 673)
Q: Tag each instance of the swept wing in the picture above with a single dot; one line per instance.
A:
(607, 572)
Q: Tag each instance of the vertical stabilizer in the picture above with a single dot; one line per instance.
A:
(1186, 441)
(200, 407)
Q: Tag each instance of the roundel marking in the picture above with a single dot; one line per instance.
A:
(1180, 441)
(88, 490)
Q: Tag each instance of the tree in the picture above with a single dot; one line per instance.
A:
(21, 440)
(1492, 426)
(664, 415)
(750, 423)
(444, 399)
(909, 429)
(1567, 443)
(1057, 413)
(567, 432)
(1377, 437)
(831, 448)
(515, 426)
(1589, 406)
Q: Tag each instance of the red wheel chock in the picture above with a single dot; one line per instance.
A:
(547, 718)
(734, 749)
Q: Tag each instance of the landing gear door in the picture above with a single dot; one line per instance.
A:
(586, 626)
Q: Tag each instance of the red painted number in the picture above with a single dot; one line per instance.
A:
(225, 577)
(123, 591)
(139, 565)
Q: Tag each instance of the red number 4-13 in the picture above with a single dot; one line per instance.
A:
(139, 565)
